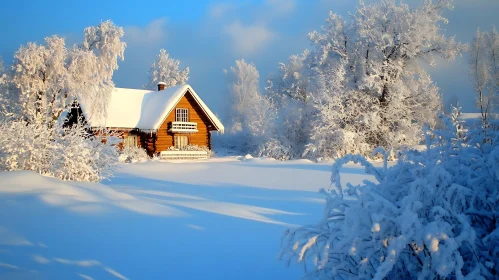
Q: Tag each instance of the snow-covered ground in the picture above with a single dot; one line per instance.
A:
(215, 219)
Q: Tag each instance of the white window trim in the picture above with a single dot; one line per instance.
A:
(182, 115)
(131, 141)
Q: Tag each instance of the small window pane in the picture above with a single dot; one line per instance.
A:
(182, 115)
(130, 141)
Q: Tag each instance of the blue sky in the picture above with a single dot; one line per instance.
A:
(209, 35)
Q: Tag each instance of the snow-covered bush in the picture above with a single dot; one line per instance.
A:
(193, 148)
(133, 154)
(65, 153)
(25, 146)
(79, 156)
(433, 215)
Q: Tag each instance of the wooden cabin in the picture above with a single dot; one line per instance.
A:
(156, 120)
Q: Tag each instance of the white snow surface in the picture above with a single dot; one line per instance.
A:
(144, 109)
(471, 116)
(220, 218)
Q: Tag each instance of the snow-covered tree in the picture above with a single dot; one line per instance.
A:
(104, 41)
(167, 70)
(289, 90)
(251, 114)
(43, 82)
(3, 87)
(49, 77)
(383, 52)
(363, 84)
(433, 215)
(484, 71)
(8, 97)
(341, 123)
(292, 80)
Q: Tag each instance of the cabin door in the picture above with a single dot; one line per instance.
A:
(181, 141)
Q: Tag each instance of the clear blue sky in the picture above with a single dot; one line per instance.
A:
(209, 35)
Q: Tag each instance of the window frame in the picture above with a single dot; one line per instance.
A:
(182, 115)
(128, 143)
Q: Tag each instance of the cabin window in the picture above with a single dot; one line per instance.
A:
(130, 141)
(182, 115)
(181, 141)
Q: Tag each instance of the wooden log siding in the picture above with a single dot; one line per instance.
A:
(124, 133)
(121, 134)
(165, 139)
(148, 142)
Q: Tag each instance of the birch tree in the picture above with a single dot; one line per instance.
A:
(484, 71)
(251, 114)
(49, 77)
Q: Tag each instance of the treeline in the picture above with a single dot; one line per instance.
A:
(362, 85)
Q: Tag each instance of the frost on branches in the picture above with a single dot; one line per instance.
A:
(43, 83)
(289, 91)
(484, 72)
(363, 84)
(66, 153)
(433, 215)
(133, 154)
(251, 115)
(48, 78)
(167, 70)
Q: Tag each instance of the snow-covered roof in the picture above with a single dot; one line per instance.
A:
(145, 109)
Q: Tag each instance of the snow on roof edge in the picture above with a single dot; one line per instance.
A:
(220, 127)
(186, 87)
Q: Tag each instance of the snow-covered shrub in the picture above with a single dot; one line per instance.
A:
(274, 148)
(433, 215)
(193, 148)
(25, 146)
(133, 154)
(65, 153)
(79, 156)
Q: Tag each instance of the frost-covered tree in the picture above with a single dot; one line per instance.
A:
(105, 42)
(340, 124)
(251, 115)
(363, 84)
(289, 90)
(383, 46)
(48, 78)
(292, 80)
(3, 87)
(433, 215)
(167, 70)
(8, 97)
(43, 82)
(484, 71)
